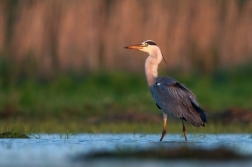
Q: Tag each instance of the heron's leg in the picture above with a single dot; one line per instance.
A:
(184, 130)
(164, 127)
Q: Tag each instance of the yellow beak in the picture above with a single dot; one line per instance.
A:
(138, 46)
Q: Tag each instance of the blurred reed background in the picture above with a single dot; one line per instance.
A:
(44, 39)
(84, 36)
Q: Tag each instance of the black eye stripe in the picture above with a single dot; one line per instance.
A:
(150, 43)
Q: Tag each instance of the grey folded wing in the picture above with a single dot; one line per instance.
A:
(174, 98)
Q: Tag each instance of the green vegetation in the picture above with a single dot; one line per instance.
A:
(86, 104)
(9, 134)
(117, 92)
(74, 126)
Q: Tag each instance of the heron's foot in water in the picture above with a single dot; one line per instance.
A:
(163, 134)
(184, 131)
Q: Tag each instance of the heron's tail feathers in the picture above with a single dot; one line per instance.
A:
(202, 114)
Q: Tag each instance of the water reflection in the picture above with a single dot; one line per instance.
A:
(57, 150)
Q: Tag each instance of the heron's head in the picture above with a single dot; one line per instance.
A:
(146, 46)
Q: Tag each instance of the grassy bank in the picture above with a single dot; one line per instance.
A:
(117, 92)
(70, 103)
(74, 126)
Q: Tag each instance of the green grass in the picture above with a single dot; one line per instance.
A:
(13, 134)
(66, 102)
(74, 126)
(117, 92)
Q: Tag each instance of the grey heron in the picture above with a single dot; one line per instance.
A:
(171, 97)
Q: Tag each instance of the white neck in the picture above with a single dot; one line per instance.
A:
(151, 66)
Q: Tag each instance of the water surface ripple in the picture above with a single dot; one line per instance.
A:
(57, 150)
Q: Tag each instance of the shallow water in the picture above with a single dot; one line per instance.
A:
(60, 150)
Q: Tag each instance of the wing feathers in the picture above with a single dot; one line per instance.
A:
(173, 97)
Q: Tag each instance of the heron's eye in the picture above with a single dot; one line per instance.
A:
(146, 44)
